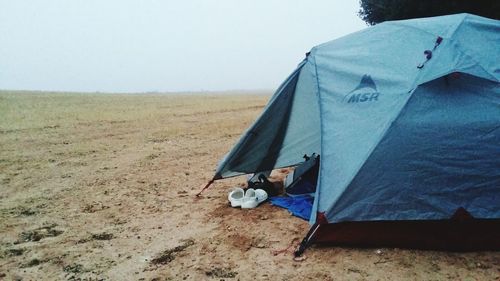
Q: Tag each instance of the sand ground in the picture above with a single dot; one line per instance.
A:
(101, 187)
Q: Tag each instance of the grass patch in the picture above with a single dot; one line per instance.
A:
(74, 268)
(15, 252)
(33, 262)
(221, 273)
(169, 255)
(39, 234)
(20, 211)
(102, 236)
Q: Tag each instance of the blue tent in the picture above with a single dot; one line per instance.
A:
(405, 116)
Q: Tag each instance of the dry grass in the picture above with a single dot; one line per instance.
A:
(100, 186)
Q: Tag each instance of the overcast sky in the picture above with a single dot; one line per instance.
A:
(184, 45)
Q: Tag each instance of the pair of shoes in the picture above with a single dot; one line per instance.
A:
(253, 197)
(246, 200)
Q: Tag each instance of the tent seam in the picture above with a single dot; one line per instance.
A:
(318, 94)
(455, 28)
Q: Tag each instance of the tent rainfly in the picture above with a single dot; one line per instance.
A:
(406, 118)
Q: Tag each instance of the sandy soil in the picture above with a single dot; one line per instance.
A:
(101, 187)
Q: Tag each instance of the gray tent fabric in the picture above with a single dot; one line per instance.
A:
(405, 116)
(460, 142)
(258, 149)
(284, 132)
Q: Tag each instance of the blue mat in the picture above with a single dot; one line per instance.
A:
(300, 205)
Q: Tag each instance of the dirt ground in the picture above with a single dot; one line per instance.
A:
(101, 187)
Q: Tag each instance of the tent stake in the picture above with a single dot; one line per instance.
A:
(206, 186)
(306, 241)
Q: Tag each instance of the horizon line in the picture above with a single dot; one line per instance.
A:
(193, 92)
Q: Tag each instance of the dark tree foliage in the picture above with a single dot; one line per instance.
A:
(376, 11)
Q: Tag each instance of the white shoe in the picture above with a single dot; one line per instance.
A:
(253, 198)
(236, 196)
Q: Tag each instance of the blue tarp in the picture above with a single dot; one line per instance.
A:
(300, 205)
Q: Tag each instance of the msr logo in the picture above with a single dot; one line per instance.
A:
(366, 91)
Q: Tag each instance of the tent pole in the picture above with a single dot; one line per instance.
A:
(306, 241)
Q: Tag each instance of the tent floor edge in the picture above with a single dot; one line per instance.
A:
(448, 235)
(307, 240)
